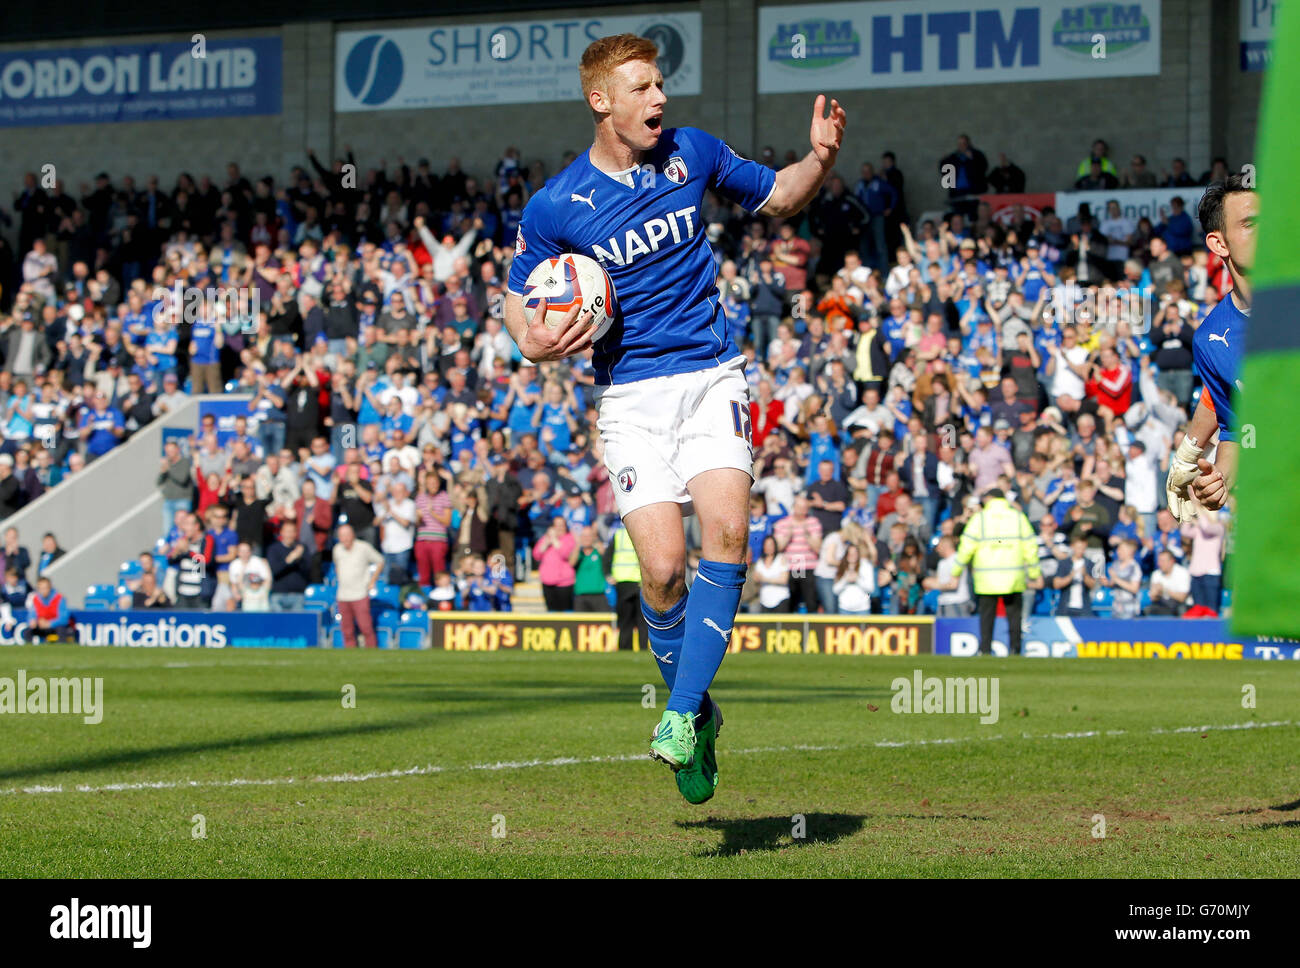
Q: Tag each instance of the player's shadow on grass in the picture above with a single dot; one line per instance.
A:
(774, 833)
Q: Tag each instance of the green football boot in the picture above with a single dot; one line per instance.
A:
(698, 781)
(674, 740)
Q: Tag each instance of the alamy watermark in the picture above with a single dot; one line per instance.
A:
(26, 695)
(953, 695)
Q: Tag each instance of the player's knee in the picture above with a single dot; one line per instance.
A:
(661, 577)
(729, 539)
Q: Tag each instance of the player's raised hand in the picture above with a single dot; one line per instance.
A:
(542, 344)
(1210, 488)
(827, 131)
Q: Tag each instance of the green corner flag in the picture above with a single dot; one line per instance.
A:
(1266, 579)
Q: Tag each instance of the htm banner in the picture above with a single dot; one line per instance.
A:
(198, 630)
(140, 82)
(1256, 31)
(502, 62)
(924, 43)
(1106, 638)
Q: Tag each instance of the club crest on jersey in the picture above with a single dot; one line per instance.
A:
(520, 244)
(627, 479)
(675, 170)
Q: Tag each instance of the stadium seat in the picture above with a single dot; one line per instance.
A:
(101, 596)
(1145, 599)
(319, 598)
(386, 629)
(1225, 601)
(413, 630)
(1102, 602)
(385, 597)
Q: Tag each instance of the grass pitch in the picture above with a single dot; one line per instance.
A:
(518, 764)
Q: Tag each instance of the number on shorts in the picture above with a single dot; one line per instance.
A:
(740, 420)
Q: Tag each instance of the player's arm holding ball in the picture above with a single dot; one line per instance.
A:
(538, 342)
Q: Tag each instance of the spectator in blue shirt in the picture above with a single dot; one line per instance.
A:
(102, 427)
(1176, 227)
(880, 199)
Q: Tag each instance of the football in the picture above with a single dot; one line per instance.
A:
(569, 280)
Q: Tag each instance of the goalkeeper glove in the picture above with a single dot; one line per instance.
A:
(1183, 469)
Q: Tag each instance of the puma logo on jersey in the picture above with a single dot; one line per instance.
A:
(666, 658)
(1222, 339)
(726, 635)
(575, 197)
(679, 225)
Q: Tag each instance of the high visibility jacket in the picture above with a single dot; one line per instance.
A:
(1000, 546)
(625, 566)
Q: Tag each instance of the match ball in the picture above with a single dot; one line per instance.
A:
(571, 280)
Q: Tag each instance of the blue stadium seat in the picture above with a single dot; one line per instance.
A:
(1102, 602)
(1225, 600)
(386, 629)
(385, 597)
(1145, 599)
(930, 602)
(101, 596)
(319, 598)
(328, 576)
(413, 630)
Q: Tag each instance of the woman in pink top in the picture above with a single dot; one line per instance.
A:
(553, 569)
(1205, 564)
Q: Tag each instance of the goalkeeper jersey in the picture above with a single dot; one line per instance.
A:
(1217, 349)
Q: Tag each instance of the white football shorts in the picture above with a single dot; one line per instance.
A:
(661, 432)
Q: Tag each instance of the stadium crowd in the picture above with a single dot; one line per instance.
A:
(897, 371)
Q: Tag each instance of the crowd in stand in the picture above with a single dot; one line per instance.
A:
(897, 370)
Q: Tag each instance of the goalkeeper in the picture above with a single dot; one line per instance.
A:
(1228, 212)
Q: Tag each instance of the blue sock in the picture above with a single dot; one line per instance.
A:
(666, 631)
(715, 596)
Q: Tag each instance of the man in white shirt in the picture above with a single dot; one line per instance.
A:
(396, 516)
(250, 581)
(871, 415)
(1118, 229)
(954, 593)
(1141, 487)
(779, 488)
(357, 567)
(1171, 585)
(1068, 368)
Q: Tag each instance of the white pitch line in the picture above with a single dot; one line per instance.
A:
(585, 760)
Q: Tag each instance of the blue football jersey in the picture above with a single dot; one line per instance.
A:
(650, 238)
(1217, 348)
